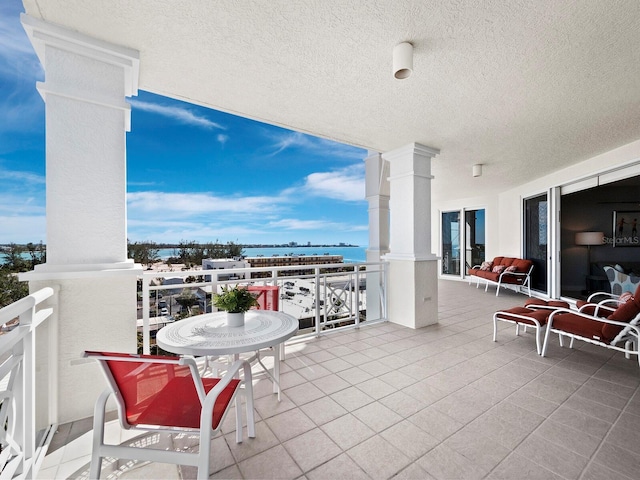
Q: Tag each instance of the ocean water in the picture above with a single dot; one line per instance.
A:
(349, 254)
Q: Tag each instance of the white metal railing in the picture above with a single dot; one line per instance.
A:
(22, 451)
(322, 297)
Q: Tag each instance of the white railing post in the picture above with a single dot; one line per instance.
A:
(356, 288)
(29, 387)
(146, 329)
(317, 294)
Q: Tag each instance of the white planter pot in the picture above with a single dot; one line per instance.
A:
(235, 319)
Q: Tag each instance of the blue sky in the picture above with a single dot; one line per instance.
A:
(192, 173)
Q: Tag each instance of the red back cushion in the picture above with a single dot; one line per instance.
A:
(624, 313)
(522, 265)
(507, 261)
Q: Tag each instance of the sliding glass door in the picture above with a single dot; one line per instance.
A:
(455, 259)
(451, 243)
(474, 237)
(536, 234)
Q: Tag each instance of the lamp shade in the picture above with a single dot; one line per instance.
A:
(589, 238)
(402, 60)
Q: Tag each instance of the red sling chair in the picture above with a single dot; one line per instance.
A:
(156, 393)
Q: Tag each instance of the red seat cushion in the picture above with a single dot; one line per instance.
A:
(546, 303)
(577, 325)
(540, 315)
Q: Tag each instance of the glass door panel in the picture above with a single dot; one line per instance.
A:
(451, 243)
(536, 234)
(474, 237)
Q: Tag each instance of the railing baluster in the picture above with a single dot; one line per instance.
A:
(18, 411)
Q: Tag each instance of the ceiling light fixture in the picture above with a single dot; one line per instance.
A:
(402, 60)
(477, 170)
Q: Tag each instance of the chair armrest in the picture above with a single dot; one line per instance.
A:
(210, 399)
(601, 294)
(597, 307)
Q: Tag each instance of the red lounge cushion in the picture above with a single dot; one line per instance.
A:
(546, 303)
(624, 313)
(571, 323)
(497, 260)
(540, 315)
(534, 301)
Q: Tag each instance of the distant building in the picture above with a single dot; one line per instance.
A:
(291, 260)
(225, 263)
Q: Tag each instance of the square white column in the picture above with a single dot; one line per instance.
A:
(413, 281)
(87, 118)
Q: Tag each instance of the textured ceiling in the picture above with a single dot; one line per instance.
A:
(522, 87)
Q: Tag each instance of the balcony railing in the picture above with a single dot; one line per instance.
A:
(21, 441)
(323, 297)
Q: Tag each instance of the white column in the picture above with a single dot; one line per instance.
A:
(413, 286)
(87, 118)
(377, 194)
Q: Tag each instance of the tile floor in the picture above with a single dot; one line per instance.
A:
(442, 402)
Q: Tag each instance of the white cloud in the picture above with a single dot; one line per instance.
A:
(182, 115)
(345, 184)
(22, 177)
(185, 205)
(222, 138)
(328, 148)
(296, 224)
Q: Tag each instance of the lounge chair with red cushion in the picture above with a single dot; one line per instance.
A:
(618, 331)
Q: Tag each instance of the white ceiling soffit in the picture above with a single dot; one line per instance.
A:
(524, 88)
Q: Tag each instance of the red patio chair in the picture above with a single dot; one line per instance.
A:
(156, 393)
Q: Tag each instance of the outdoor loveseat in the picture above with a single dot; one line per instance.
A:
(508, 272)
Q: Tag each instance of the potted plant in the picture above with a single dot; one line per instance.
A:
(235, 301)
